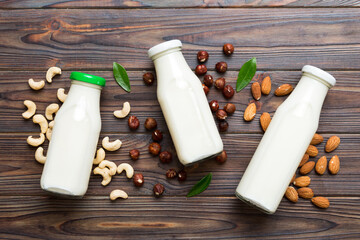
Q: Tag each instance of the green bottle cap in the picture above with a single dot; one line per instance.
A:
(88, 78)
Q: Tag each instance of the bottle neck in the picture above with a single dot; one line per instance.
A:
(171, 64)
(310, 89)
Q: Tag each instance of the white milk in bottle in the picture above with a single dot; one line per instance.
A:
(184, 105)
(74, 138)
(285, 141)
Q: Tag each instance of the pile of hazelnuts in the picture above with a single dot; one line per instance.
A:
(220, 83)
(155, 150)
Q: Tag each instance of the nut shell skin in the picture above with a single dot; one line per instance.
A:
(158, 189)
(228, 91)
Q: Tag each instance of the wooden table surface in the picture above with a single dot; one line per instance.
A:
(90, 35)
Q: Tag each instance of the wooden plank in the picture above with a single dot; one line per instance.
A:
(174, 3)
(174, 218)
(340, 114)
(89, 39)
(19, 167)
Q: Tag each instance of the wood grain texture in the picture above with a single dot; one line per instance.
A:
(19, 167)
(174, 3)
(174, 218)
(89, 39)
(340, 113)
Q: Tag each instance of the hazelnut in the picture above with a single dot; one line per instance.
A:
(165, 157)
(230, 108)
(202, 56)
(221, 114)
(206, 89)
(221, 67)
(157, 135)
(138, 179)
(223, 126)
(182, 175)
(200, 69)
(228, 48)
(220, 83)
(214, 105)
(148, 78)
(222, 157)
(154, 148)
(228, 91)
(158, 189)
(133, 122)
(171, 173)
(208, 80)
(134, 154)
(150, 123)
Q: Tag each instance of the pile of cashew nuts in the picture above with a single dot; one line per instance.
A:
(107, 169)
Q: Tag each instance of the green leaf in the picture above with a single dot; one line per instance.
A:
(121, 76)
(200, 186)
(246, 73)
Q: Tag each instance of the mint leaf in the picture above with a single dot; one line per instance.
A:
(200, 186)
(246, 73)
(121, 76)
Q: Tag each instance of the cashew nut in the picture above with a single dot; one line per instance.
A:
(118, 193)
(128, 169)
(49, 130)
(36, 85)
(39, 155)
(105, 173)
(50, 110)
(36, 141)
(51, 72)
(111, 146)
(100, 156)
(124, 111)
(31, 109)
(41, 120)
(110, 165)
(61, 94)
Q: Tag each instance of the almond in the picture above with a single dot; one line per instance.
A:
(317, 139)
(303, 181)
(266, 85)
(291, 194)
(332, 143)
(312, 151)
(283, 90)
(334, 165)
(304, 159)
(305, 192)
(250, 112)
(307, 167)
(256, 91)
(321, 202)
(265, 120)
(320, 166)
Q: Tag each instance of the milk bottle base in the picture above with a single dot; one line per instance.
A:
(202, 159)
(60, 192)
(254, 204)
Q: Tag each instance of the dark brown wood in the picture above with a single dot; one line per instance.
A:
(90, 39)
(174, 3)
(340, 113)
(19, 167)
(174, 218)
(283, 40)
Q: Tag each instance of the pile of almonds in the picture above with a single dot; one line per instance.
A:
(320, 166)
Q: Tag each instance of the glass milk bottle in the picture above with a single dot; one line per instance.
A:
(285, 141)
(184, 105)
(74, 138)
